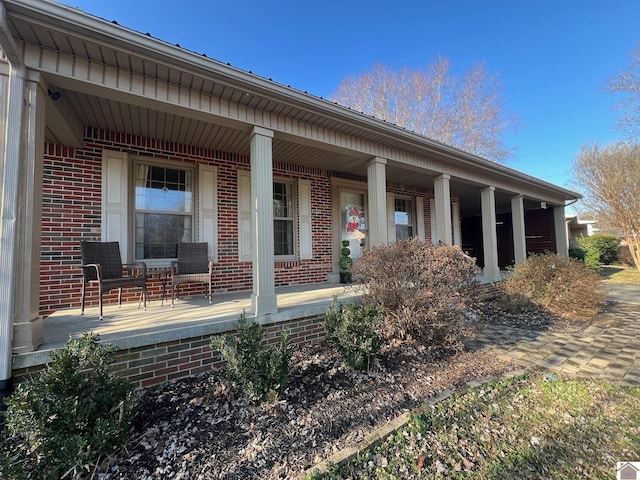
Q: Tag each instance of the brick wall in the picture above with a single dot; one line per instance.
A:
(158, 363)
(71, 212)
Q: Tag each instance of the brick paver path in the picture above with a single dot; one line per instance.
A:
(608, 349)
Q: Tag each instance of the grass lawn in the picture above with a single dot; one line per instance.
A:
(619, 274)
(533, 426)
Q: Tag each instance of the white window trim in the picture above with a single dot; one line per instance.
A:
(294, 218)
(391, 215)
(301, 196)
(157, 262)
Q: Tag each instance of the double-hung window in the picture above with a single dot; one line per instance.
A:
(283, 219)
(403, 215)
(164, 209)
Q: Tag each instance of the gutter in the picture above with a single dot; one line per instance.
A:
(9, 203)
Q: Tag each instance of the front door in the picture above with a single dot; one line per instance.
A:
(353, 226)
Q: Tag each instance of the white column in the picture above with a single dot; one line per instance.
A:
(442, 196)
(517, 220)
(457, 227)
(263, 299)
(489, 235)
(28, 324)
(11, 126)
(560, 227)
(376, 216)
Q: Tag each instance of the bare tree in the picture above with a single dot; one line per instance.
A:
(466, 112)
(626, 83)
(610, 180)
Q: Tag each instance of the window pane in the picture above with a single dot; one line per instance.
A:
(403, 211)
(403, 214)
(403, 232)
(283, 237)
(157, 235)
(283, 224)
(163, 189)
(164, 208)
(282, 198)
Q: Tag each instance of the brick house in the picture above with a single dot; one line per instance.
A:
(111, 134)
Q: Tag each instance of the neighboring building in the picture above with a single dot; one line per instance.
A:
(112, 134)
(578, 228)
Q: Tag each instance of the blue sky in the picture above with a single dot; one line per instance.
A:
(552, 56)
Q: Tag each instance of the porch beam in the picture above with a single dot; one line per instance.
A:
(442, 194)
(377, 202)
(263, 299)
(517, 220)
(560, 227)
(491, 269)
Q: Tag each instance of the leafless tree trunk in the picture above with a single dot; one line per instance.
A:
(466, 112)
(610, 179)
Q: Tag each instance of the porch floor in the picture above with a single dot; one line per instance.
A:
(131, 327)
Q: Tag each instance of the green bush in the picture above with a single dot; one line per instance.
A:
(72, 415)
(259, 371)
(592, 259)
(605, 246)
(561, 285)
(352, 330)
(424, 290)
(577, 253)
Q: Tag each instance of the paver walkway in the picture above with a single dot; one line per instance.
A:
(608, 349)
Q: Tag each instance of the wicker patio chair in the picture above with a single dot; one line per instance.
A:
(102, 264)
(192, 266)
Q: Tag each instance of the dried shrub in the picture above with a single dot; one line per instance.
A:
(352, 330)
(424, 290)
(259, 371)
(560, 285)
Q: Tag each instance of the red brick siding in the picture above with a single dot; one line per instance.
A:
(158, 363)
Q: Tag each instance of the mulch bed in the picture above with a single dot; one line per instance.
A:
(197, 428)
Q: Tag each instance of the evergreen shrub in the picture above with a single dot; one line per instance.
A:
(260, 371)
(73, 414)
(352, 330)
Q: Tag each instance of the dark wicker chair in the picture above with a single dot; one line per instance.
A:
(192, 266)
(102, 264)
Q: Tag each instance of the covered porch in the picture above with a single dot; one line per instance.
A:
(130, 327)
(124, 134)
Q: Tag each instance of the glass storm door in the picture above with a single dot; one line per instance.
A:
(353, 226)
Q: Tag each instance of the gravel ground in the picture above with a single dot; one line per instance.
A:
(197, 428)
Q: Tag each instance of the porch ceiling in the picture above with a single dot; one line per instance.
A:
(124, 117)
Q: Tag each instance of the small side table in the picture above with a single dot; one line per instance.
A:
(163, 274)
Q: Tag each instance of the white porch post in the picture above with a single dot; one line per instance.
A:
(263, 299)
(489, 234)
(12, 132)
(376, 217)
(517, 220)
(442, 196)
(560, 227)
(27, 327)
